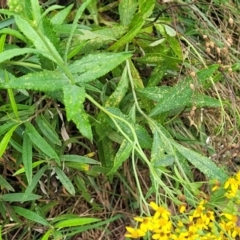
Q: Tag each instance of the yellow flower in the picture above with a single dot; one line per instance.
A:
(232, 183)
(160, 211)
(146, 223)
(230, 194)
(161, 236)
(182, 208)
(162, 225)
(209, 216)
(134, 233)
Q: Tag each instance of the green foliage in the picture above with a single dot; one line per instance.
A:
(71, 79)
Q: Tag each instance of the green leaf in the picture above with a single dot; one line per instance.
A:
(30, 215)
(35, 179)
(41, 81)
(8, 54)
(35, 164)
(48, 234)
(19, 197)
(47, 130)
(94, 66)
(157, 151)
(145, 10)
(146, 7)
(143, 136)
(40, 41)
(200, 100)
(38, 140)
(134, 30)
(75, 222)
(60, 16)
(116, 97)
(178, 96)
(65, 181)
(6, 139)
(78, 159)
(74, 97)
(27, 156)
(123, 153)
(127, 9)
(204, 164)
(5, 184)
(204, 74)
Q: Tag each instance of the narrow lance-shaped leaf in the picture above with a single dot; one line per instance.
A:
(19, 197)
(40, 41)
(121, 156)
(60, 16)
(116, 97)
(76, 222)
(30, 215)
(96, 65)
(35, 180)
(47, 130)
(38, 140)
(41, 81)
(5, 184)
(27, 157)
(204, 164)
(127, 9)
(6, 139)
(65, 181)
(8, 54)
(74, 97)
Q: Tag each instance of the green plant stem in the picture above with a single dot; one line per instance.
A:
(58, 59)
(24, 64)
(149, 120)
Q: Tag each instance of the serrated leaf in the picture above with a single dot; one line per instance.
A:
(155, 93)
(5, 185)
(200, 100)
(30, 215)
(76, 222)
(157, 150)
(6, 139)
(27, 156)
(134, 30)
(74, 98)
(38, 140)
(40, 41)
(204, 74)
(122, 87)
(41, 81)
(8, 54)
(127, 9)
(178, 96)
(122, 155)
(204, 164)
(145, 10)
(19, 197)
(94, 66)
(47, 130)
(143, 136)
(60, 16)
(65, 181)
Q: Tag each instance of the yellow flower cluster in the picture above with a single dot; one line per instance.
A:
(200, 223)
(232, 186)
